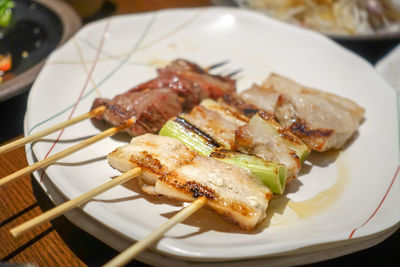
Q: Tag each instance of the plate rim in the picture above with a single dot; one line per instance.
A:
(240, 11)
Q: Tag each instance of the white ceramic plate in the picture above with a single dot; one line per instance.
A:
(339, 198)
(389, 67)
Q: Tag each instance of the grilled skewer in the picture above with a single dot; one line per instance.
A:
(139, 123)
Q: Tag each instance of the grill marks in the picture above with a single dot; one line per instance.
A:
(192, 128)
(197, 190)
(321, 120)
(216, 120)
(233, 192)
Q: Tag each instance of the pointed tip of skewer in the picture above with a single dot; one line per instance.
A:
(216, 65)
(15, 233)
(233, 73)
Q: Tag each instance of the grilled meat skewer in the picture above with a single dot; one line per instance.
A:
(232, 192)
(179, 86)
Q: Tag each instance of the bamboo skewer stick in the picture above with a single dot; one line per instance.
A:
(73, 203)
(36, 136)
(138, 247)
(47, 161)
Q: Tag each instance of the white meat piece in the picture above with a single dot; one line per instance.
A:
(261, 97)
(217, 125)
(155, 155)
(231, 191)
(322, 120)
(257, 139)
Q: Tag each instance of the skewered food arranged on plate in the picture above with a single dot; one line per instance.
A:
(235, 150)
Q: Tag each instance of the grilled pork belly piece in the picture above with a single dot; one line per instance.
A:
(217, 120)
(232, 192)
(262, 97)
(155, 155)
(150, 108)
(172, 170)
(191, 82)
(234, 100)
(322, 120)
(265, 138)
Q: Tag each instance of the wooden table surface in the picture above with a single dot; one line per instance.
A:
(60, 243)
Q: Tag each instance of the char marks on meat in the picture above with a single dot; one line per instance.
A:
(260, 139)
(217, 121)
(179, 86)
(232, 192)
(155, 155)
(321, 120)
(170, 169)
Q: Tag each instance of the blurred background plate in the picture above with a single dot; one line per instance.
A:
(370, 45)
(48, 24)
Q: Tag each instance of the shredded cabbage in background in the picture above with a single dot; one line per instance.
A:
(341, 17)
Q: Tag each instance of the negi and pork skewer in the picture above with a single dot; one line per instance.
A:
(171, 169)
(261, 135)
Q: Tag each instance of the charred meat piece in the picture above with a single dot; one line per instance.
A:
(232, 192)
(234, 100)
(322, 120)
(155, 155)
(150, 108)
(172, 170)
(216, 120)
(191, 82)
(265, 138)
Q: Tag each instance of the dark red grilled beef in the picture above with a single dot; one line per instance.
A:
(150, 108)
(191, 82)
(179, 86)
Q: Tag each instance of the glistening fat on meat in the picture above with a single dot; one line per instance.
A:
(322, 120)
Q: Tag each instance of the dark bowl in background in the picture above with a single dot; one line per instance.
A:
(57, 22)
